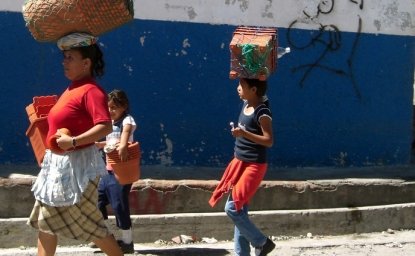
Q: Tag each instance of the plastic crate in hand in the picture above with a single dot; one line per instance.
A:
(40, 107)
(37, 133)
(49, 20)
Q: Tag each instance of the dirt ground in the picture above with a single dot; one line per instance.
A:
(388, 243)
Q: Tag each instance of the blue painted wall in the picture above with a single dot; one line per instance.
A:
(340, 99)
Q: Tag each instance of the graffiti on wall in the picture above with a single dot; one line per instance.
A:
(326, 42)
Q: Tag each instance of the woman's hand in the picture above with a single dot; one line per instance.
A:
(63, 140)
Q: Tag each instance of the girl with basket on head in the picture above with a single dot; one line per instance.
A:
(243, 175)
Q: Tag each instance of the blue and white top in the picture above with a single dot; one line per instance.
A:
(117, 128)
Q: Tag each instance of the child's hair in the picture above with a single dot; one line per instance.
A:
(120, 99)
(261, 86)
(94, 53)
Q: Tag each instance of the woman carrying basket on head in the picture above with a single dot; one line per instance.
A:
(66, 187)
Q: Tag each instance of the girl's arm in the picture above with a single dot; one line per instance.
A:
(123, 144)
(100, 144)
(266, 139)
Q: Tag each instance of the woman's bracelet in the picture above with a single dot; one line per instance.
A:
(73, 142)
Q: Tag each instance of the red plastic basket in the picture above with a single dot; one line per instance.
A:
(37, 113)
(37, 133)
(40, 107)
(129, 171)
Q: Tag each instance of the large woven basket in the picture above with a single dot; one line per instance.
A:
(49, 20)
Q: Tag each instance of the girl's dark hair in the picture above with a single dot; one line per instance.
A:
(120, 99)
(261, 86)
(94, 53)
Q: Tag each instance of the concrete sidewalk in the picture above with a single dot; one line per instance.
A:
(164, 209)
(400, 243)
(150, 228)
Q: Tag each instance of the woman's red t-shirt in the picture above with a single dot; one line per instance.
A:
(83, 105)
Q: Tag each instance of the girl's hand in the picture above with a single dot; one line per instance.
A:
(123, 152)
(237, 132)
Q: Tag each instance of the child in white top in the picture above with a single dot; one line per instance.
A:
(109, 189)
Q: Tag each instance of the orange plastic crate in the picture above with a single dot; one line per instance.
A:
(129, 171)
(134, 152)
(37, 133)
(263, 58)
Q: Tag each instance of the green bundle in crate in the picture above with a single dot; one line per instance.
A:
(253, 61)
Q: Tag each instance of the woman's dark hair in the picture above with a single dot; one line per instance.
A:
(120, 99)
(95, 55)
(261, 86)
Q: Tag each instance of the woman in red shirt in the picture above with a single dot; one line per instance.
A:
(66, 187)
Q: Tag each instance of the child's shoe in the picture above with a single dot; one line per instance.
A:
(265, 249)
(92, 245)
(126, 248)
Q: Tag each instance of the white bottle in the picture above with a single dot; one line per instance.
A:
(281, 51)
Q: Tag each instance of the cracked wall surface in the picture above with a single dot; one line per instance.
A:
(191, 196)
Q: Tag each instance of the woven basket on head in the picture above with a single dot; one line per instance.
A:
(49, 20)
